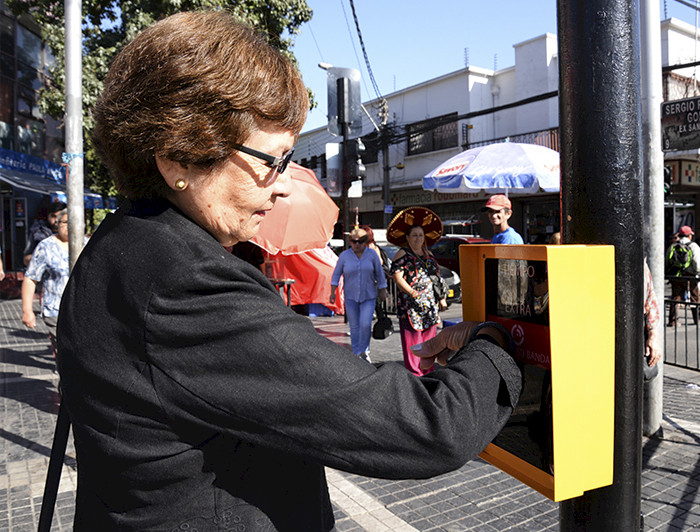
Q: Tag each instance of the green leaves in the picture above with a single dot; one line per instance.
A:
(109, 24)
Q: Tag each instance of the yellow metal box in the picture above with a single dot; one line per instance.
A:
(559, 304)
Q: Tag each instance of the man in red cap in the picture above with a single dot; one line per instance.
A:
(691, 267)
(499, 212)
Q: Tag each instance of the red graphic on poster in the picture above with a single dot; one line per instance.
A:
(531, 341)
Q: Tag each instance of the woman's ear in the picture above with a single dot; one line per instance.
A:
(175, 174)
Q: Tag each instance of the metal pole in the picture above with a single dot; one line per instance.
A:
(73, 157)
(343, 86)
(74, 129)
(652, 98)
(387, 179)
(600, 121)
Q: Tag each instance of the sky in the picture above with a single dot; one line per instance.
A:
(411, 41)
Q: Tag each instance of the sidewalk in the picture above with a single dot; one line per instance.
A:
(477, 497)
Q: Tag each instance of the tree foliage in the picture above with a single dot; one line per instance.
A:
(109, 24)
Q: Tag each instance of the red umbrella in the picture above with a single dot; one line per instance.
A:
(304, 220)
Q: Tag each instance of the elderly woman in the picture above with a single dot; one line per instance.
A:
(364, 279)
(198, 399)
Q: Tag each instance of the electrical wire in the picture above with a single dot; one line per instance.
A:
(364, 52)
(354, 48)
(318, 48)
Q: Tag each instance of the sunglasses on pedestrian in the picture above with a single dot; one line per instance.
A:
(360, 241)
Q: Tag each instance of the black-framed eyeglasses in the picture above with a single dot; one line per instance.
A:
(279, 164)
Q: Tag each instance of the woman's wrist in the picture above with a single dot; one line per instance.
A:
(497, 332)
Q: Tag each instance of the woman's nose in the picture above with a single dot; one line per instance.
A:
(283, 184)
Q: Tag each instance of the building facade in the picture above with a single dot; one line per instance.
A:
(435, 120)
(31, 143)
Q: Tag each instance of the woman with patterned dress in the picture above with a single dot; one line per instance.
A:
(417, 306)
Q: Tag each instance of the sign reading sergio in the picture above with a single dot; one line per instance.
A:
(680, 124)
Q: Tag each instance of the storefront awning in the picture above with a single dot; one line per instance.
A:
(50, 187)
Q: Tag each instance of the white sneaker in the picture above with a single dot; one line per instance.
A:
(365, 357)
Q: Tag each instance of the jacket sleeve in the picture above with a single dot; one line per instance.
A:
(226, 354)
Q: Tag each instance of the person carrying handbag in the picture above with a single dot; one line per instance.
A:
(413, 268)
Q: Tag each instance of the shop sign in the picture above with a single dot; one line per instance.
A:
(684, 172)
(22, 162)
(680, 124)
(407, 198)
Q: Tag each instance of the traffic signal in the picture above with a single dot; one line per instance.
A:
(353, 159)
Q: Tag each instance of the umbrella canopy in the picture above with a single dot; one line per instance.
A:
(502, 167)
(312, 271)
(304, 220)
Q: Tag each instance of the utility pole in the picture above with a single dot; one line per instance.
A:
(344, 120)
(652, 98)
(386, 189)
(601, 158)
(74, 156)
(342, 85)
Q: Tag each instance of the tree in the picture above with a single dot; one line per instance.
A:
(109, 24)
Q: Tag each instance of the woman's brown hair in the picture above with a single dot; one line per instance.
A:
(190, 88)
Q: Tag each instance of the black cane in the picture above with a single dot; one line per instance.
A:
(53, 475)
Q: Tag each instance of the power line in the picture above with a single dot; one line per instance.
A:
(316, 43)
(354, 48)
(364, 51)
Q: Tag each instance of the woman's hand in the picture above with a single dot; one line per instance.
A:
(447, 342)
(332, 300)
(443, 304)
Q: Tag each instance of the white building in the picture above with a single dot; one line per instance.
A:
(436, 119)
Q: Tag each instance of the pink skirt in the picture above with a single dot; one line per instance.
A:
(409, 337)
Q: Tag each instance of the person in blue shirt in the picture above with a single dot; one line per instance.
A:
(499, 209)
(364, 279)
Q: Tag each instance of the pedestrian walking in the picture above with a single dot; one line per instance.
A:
(363, 281)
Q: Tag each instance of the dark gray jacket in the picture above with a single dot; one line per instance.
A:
(198, 399)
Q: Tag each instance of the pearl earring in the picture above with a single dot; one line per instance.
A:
(180, 184)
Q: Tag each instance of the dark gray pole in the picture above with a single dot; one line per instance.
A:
(343, 85)
(600, 123)
(386, 189)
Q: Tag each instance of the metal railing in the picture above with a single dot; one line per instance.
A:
(392, 296)
(682, 334)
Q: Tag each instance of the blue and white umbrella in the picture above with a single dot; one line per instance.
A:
(502, 167)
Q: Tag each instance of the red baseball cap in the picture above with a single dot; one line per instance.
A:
(497, 202)
(685, 231)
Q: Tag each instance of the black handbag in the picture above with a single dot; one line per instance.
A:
(384, 327)
(440, 287)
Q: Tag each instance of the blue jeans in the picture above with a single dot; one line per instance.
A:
(360, 320)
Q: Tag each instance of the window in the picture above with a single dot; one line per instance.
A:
(434, 134)
(6, 115)
(29, 48)
(28, 76)
(7, 36)
(30, 137)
